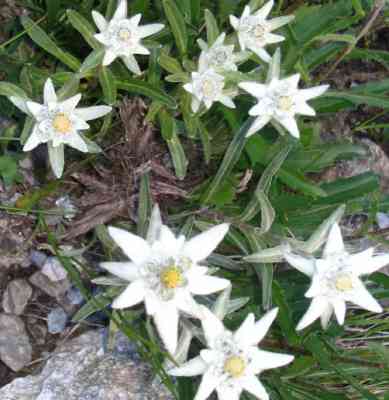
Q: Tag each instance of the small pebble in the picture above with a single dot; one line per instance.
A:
(74, 296)
(54, 270)
(382, 220)
(56, 320)
(38, 258)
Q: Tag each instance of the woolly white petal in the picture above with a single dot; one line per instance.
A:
(245, 332)
(125, 270)
(258, 124)
(49, 94)
(57, 159)
(339, 306)
(268, 360)
(139, 49)
(317, 307)
(264, 12)
(206, 284)
(102, 38)
(234, 22)
(132, 295)
(255, 387)
(326, 316)
(89, 113)
(132, 64)
(262, 327)
(121, 11)
(365, 262)
(306, 265)
(154, 230)
(261, 53)
(246, 12)
(212, 325)
(148, 30)
(76, 141)
(167, 326)
(362, 298)
(134, 247)
(100, 21)
(109, 57)
(334, 242)
(195, 366)
(271, 38)
(290, 124)
(34, 108)
(202, 245)
(313, 92)
(227, 101)
(71, 103)
(207, 386)
(227, 392)
(276, 23)
(33, 140)
(303, 108)
(257, 90)
(135, 19)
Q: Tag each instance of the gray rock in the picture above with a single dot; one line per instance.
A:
(54, 270)
(79, 370)
(74, 296)
(37, 330)
(53, 289)
(15, 347)
(38, 258)
(56, 320)
(16, 296)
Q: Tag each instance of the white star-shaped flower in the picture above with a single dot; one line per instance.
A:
(254, 31)
(219, 56)
(58, 123)
(232, 360)
(280, 100)
(207, 87)
(165, 274)
(122, 36)
(336, 279)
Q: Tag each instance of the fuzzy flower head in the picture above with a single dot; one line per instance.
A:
(219, 57)
(122, 36)
(58, 123)
(280, 100)
(336, 279)
(255, 31)
(164, 273)
(207, 87)
(232, 360)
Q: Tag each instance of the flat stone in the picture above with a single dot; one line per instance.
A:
(15, 347)
(79, 370)
(53, 289)
(56, 320)
(54, 270)
(16, 296)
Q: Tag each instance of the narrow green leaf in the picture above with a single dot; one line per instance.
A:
(93, 60)
(40, 37)
(356, 98)
(144, 205)
(170, 64)
(135, 86)
(9, 89)
(84, 27)
(230, 159)
(212, 28)
(177, 25)
(52, 7)
(108, 84)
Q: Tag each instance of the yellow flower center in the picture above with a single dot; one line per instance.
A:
(285, 103)
(344, 283)
(234, 366)
(62, 123)
(259, 31)
(171, 277)
(208, 88)
(124, 34)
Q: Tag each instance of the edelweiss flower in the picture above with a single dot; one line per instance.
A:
(254, 31)
(58, 123)
(122, 36)
(232, 360)
(164, 273)
(280, 100)
(219, 56)
(207, 87)
(336, 279)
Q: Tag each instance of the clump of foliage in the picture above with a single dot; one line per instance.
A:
(264, 185)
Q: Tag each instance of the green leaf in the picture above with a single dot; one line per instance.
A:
(93, 60)
(231, 157)
(40, 37)
(170, 64)
(84, 27)
(52, 7)
(108, 84)
(8, 170)
(212, 28)
(144, 205)
(177, 25)
(9, 89)
(139, 87)
(356, 98)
